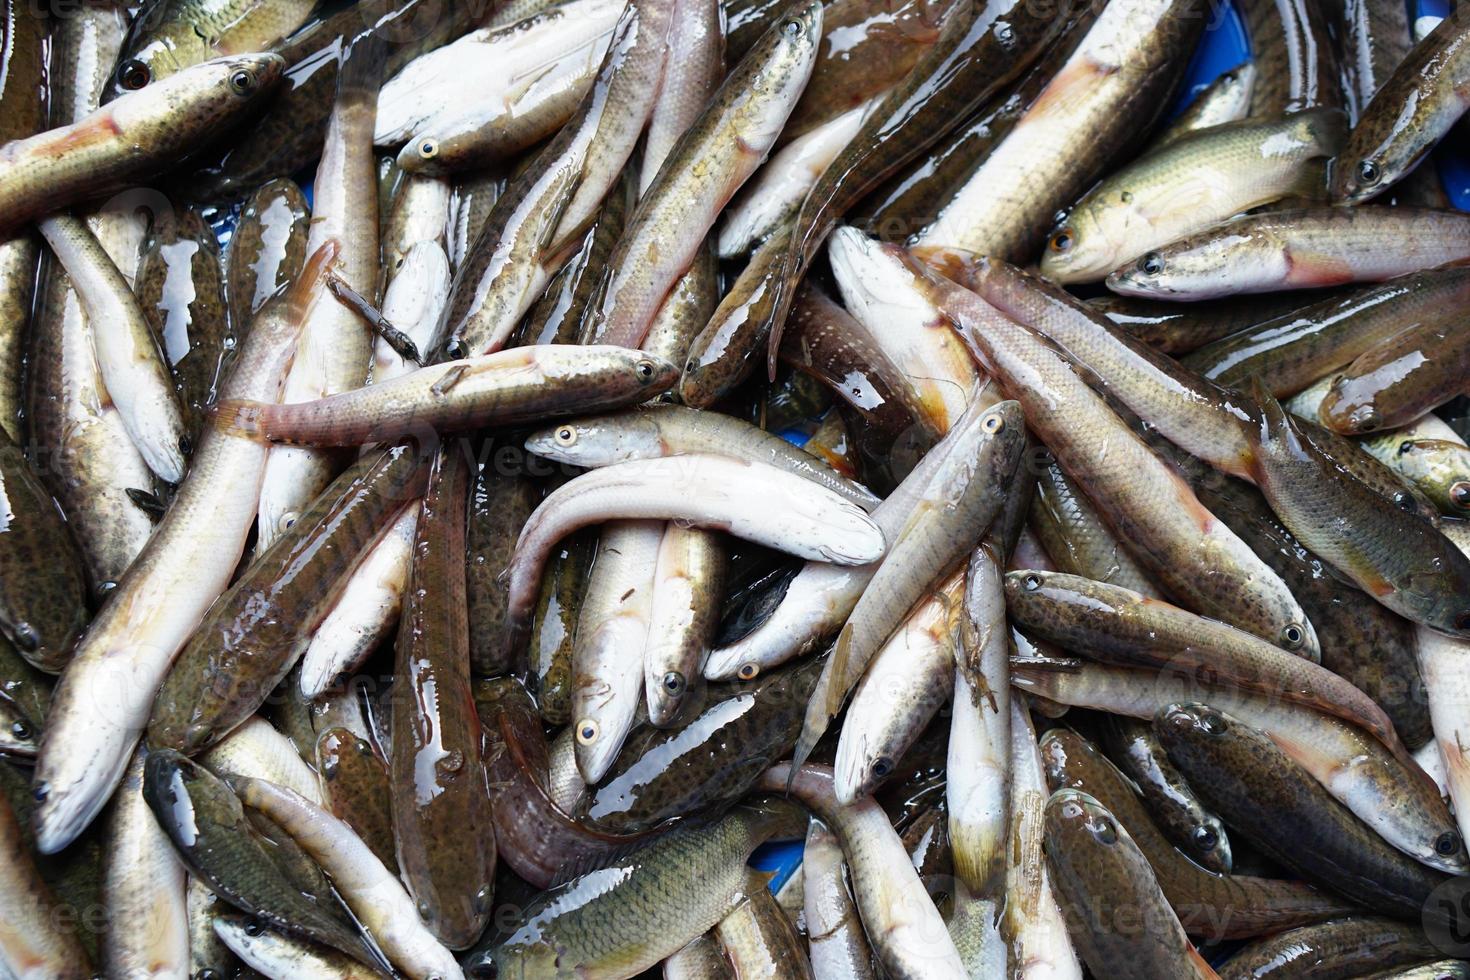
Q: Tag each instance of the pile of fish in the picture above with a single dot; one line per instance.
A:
(733, 488)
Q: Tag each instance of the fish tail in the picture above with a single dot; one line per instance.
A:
(241, 418)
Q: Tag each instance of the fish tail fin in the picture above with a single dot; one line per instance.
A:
(241, 418)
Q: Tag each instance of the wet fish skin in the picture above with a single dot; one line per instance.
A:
(130, 361)
(1290, 351)
(289, 134)
(30, 943)
(181, 289)
(1098, 871)
(1208, 905)
(1415, 107)
(147, 923)
(647, 904)
(440, 800)
(554, 627)
(1398, 558)
(1344, 947)
(704, 168)
(1263, 793)
(1225, 100)
(523, 384)
(42, 604)
(1293, 50)
(190, 558)
(688, 585)
(95, 155)
(656, 431)
(23, 112)
(1198, 180)
(534, 834)
(759, 939)
(207, 825)
(1297, 249)
(168, 36)
(835, 939)
(705, 763)
(256, 631)
(267, 249)
(1394, 797)
(1132, 746)
(500, 503)
(1093, 618)
(1439, 467)
(1131, 495)
(271, 952)
(1397, 382)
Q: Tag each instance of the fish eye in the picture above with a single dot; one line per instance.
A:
(1447, 843)
(133, 75)
(186, 446)
(792, 27)
(748, 671)
(1031, 582)
(455, 349)
(992, 423)
(1404, 502)
(40, 791)
(1368, 173)
(587, 732)
(242, 81)
(1205, 838)
(1151, 264)
(1105, 832)
(645, 369)
(1460, 495)
(21, 731)
(1212, 724)
(428, 148)
(1061, 241)
(26, 637)
(288, 519)
(1005, 33)
(253, 928)
(673, 683)
(566, 435)
(882, 766)
(1293, 636)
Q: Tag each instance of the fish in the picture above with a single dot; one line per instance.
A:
(1120, 626)
(1198, 180)
(1225, 100)
(513, 386)
(1302, 248)
(528, 78)
(354, 788)
(335, 346)
(95, 719)
(33, 942)
(554, 626)
(181, 289)
(1393, 797)
(1133, 747)
(1098, 871)
(1291, 351)
(147, 920)
(1178, 328)
(267, 250)
(835, 939)
(1112, 86)
(1210, 905)
(255, 632)
(1292, 46)
(1396, 557)
(500, 502)
(43, 600)
(688, 581)
(1415, 107)
(908, 936)
(758, 937)
(706, 762)
(1263, 793)
(1129, 484)
(719, 151)
(271, 952)
(632, 910)
(130, 138)
(658, 431)
(207, 825)
(130, 362)
(377, 900)
(168, 36)
(1397, 382)
(436, 766)
(1348, 945)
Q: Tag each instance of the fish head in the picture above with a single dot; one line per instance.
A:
(1076, 816)
(598, 440)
